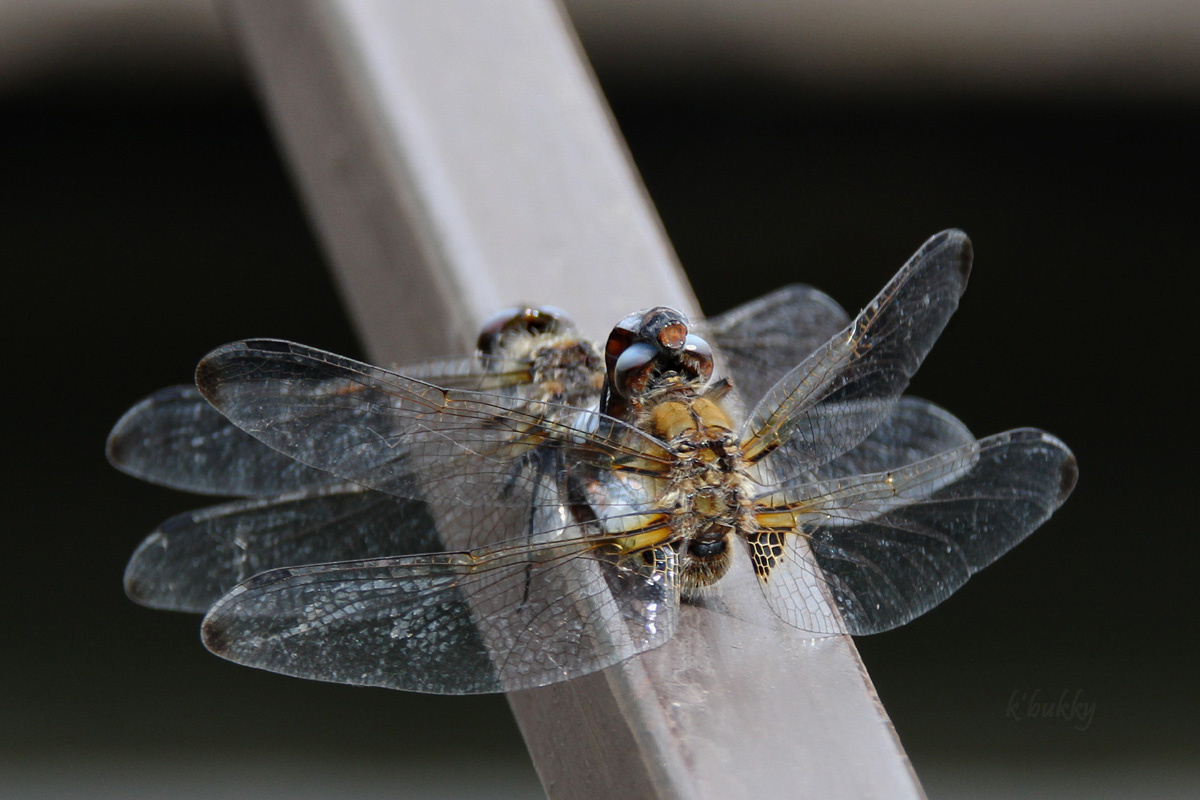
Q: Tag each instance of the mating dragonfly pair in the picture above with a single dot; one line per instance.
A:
(540, 510)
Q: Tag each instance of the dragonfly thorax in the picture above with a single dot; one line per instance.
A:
(707, 494)
(568, 370)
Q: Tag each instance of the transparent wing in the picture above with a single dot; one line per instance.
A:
(868, 553)
(491, 620)
(915, 430)
(192, 559)
(407, 437)
(765, 338)
(175, 438)
(839, 394)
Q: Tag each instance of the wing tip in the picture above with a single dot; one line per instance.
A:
(218, 361)
(136, 588)
(1068, 467)
(116, 447)
(212, 635)
(150, 580)
(206, 374)
(1067, 478)
(120, 445)
(136, 434)
(956, 242)
(142, 564)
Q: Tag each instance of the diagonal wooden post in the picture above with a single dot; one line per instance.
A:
(457, 157)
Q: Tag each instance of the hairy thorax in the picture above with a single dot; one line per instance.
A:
(566, 370)
(544, 367)
(706, 492)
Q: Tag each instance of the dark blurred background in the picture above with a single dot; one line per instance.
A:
(147, 217)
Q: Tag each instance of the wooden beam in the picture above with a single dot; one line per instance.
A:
(457, 157)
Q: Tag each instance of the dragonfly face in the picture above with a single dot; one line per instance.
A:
(647, 354)
(858, 509)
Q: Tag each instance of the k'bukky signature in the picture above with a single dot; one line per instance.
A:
(1068, 707)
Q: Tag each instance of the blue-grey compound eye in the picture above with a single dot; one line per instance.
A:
(631, 364)
(694, 344)
(698, 356)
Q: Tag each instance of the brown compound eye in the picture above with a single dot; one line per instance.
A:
(545, 319)
(648, 346)
(493, 328)
(520, 319)
(655, 341)
(623, 335)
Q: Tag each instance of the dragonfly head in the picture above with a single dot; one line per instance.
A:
(502, 328)
(649, 351)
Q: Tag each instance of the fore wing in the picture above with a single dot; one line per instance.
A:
(176, 438)
(832, 400)
(407, 437)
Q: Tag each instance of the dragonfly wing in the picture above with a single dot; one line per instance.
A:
(915, 430)
(404, 436)
(883, 549)
(194, 558)
(176, 438)
(492, 620)
(840, 393)
(765, 338)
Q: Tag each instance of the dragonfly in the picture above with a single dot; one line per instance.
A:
(289, 513)
(858, 509)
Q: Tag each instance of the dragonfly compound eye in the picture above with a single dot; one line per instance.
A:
(633, 368)
(697, 357)
(525, 320)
